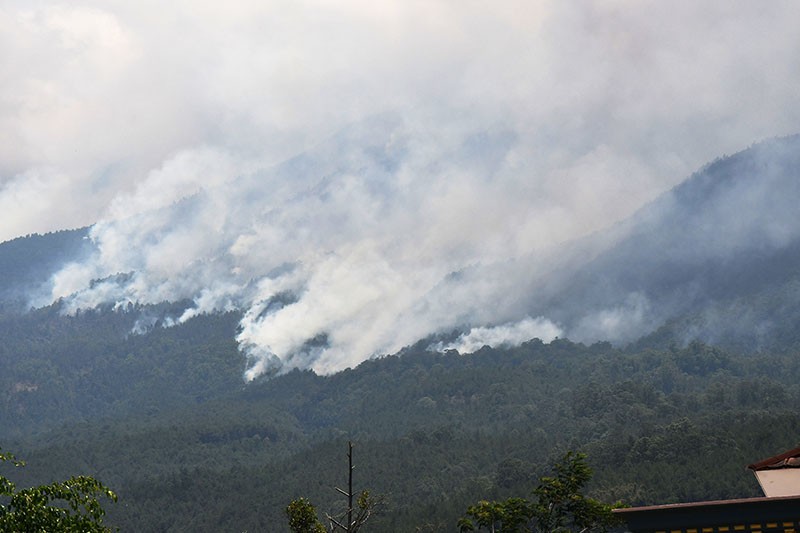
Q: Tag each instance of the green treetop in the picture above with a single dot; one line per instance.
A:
(62, 506)
(558, 506)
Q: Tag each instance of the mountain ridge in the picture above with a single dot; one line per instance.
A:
(674, 257)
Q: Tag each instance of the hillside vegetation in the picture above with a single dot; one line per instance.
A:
(188, 447)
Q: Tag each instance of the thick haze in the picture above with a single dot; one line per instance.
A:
(357, 175)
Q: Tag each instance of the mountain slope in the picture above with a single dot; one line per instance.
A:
(436, 432)
(718, 257)
(26, 263)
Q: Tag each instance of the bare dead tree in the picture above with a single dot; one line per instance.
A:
(354, 517)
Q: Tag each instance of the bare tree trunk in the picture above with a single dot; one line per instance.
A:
(352, 520)
(349, 527)
(350, 485)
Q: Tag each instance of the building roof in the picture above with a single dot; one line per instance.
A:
(753, 515)
(779, 512)
(790, 459)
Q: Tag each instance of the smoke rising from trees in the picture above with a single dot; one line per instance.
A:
(356, 176)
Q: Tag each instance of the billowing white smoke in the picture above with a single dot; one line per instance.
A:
(504, 335)
(379, 237)
(361, 246)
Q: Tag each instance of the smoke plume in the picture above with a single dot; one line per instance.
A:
(355, 176)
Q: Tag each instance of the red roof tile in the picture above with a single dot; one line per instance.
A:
(790, 459)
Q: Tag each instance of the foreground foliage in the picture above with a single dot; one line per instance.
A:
(62, 506)
(558, 505)
(302, 516)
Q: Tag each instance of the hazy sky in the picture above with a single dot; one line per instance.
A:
(94, 95)
(514, 125)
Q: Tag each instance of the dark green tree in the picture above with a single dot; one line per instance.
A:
(558, 506)
(62, 506)
(511, 515)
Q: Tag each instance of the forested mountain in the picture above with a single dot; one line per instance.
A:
(716, 259)
(698, 291)
(26, 263)
(59, 368)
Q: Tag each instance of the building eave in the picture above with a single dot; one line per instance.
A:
(740, 515)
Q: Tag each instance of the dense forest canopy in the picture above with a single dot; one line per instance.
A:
(434, 432)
